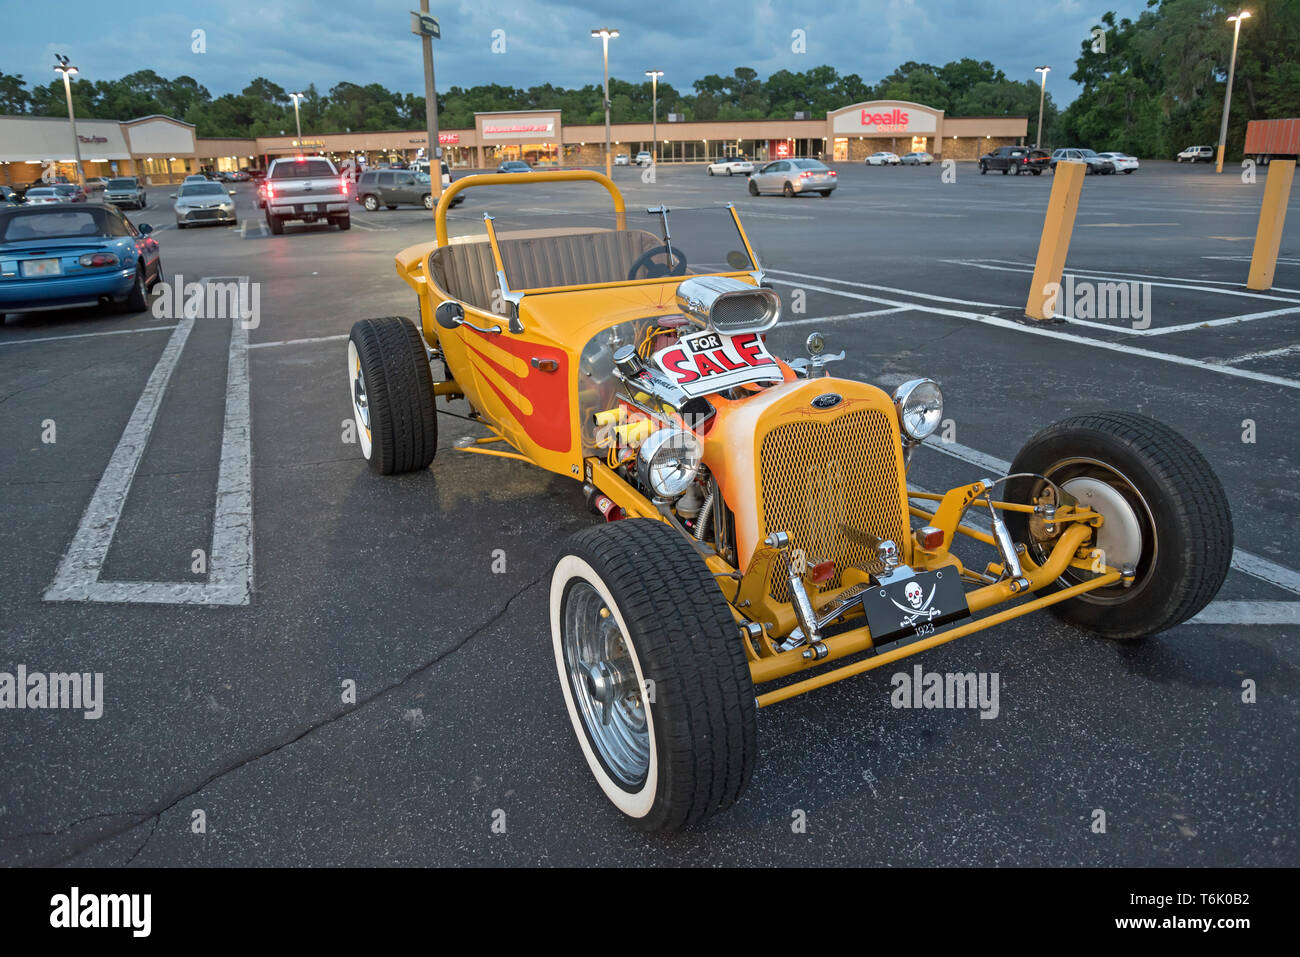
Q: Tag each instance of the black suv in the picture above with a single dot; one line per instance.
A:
(1015, 159)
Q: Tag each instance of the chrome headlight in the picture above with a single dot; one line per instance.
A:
(668, 461)
(920, 408)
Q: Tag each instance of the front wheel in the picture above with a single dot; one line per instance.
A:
(653, 673)
(1165, 516)
(983, 170)
(392, 395)
(753, 188)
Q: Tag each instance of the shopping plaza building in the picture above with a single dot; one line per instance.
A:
(164, 150)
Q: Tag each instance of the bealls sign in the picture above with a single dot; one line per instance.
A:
(895, 119)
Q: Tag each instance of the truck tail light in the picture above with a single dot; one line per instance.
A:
(270, 191)
(98, 260)
(343, 185)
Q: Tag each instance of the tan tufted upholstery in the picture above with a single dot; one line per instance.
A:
(467, 272)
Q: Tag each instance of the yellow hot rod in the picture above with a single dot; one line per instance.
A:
(757, 527)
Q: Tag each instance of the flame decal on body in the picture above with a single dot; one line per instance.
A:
(538, 401)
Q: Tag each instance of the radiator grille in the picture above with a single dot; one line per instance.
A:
(834, 487)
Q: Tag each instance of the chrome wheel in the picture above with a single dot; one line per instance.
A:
(1128, 534)
(606, 690)
(360, 401)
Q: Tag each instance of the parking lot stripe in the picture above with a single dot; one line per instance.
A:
(1253, 565)
(1266, 354)
(79, 570)
(296, 342)
(1248, 613)
(230, 577)
(896, 290)
(1126, 348)
(84, 335)
(847, 315)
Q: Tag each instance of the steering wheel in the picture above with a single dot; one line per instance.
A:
(653, 270)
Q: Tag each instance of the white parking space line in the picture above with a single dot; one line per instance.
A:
(296, 342)
(1253, 565)
(1171, 282)
(231, 557)
(817, 320)
(84, 335)
(1248, 613)
(1008, 324)
(893, 289)
(1266, 354)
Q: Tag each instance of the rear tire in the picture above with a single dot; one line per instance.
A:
(343, 222)
(370, 203)
(825, 192)
(275, 223)
(138, 298)
(653, 673)
(788, 191)
(392, 395)
(1165, 510)
(428, 200)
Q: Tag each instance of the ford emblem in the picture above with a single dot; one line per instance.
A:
(827, 400)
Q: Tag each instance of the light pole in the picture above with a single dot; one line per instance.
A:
(1042, 96)
(654, 114)
(606, 34)
(67, 70)
(296, 118)
(1227, 94)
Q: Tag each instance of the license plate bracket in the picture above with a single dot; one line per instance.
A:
(917, 606)
(42, 267)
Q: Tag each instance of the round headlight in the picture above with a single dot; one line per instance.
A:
(668, 460)
(920, 408)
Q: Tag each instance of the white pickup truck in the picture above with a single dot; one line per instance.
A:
(306, 189)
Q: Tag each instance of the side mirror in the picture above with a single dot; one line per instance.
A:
(449, 314)
(144, 229)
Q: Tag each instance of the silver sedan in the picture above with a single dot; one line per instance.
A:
(790, 177)
(205, 202)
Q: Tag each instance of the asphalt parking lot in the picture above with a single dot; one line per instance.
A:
(225, 673)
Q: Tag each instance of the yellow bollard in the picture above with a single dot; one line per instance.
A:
(1272, 215)
(1058, 225)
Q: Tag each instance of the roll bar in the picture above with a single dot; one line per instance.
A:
(513, 179)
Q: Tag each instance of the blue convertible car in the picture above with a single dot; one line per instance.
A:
(63, 255)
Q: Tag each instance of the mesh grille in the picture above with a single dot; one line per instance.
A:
(834, 488)
(738, 313)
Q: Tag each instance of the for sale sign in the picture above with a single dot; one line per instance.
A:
(707, 362)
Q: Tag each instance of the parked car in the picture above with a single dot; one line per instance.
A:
(125, 191)
(793, 176)
(8, 197)
(620, 159)
(422, 167)
(95, 184)
(399, 187)
(196, 178)
(1015, 159)
(1097, 164)
(884, 158)
(750, 537)
(62, 255)
(204, 202)
(241, 176)
(514, 166)
(70, 192)
(1122, 162)
(41, 196)
(307, 189)
(1196, 154)
(919, 158)
(256, 173)
(645, 158)
(736, 165)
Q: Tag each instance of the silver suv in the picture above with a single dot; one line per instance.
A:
(125, 191)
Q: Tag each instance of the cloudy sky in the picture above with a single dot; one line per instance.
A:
(296, 42)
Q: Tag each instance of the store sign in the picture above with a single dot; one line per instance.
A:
(442, 138)
(518, 129)
(782, 149)
(92, 139)
(885, 120)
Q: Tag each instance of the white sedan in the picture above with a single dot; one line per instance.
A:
(1123, 162)
(883, 159)
(731, 167)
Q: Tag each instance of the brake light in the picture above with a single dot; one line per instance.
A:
(270, 191)
(343, 184)
(98, 259)
(833, 173)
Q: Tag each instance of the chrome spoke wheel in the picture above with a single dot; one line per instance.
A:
(360, 400)
(605, 686)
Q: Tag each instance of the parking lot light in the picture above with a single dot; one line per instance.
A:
(654, 114)
(605, 34)
(67, 69)
(296, 118)
(1227, 93)
(1042, 95)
